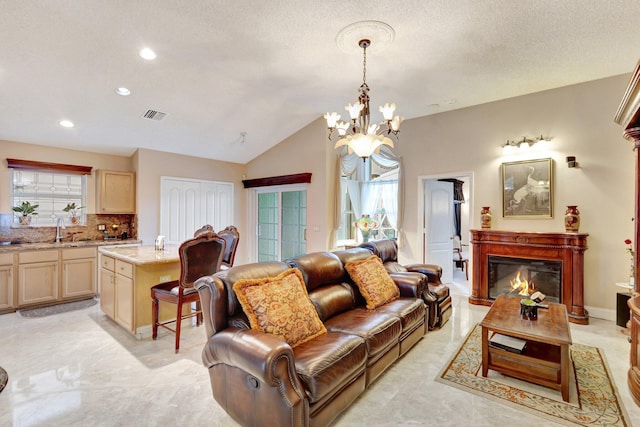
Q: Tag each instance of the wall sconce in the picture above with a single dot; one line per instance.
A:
(571, 162)
(524, 144)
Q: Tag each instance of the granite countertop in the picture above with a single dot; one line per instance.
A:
(140, 255)
(4, 248)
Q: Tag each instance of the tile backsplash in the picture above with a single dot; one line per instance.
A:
(115, 225)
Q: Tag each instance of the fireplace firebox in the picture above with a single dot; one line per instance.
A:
(523, 277)
(561, 253)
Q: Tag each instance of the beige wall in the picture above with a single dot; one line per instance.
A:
(305, 151)
(151, 165)
(15, 150)
(579, 118)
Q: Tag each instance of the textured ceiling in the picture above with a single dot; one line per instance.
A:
(268, 68)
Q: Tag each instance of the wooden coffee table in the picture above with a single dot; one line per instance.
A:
(545, 359)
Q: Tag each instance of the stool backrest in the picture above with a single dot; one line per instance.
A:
(200, 256)
(232, 236)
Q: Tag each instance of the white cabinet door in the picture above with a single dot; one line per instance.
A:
(187, 205)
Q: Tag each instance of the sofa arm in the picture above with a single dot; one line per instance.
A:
(253, 378)
(411, 284)
(432, 271)
(213, 300)
(255, 352)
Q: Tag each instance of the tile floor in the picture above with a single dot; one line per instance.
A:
(80, 369)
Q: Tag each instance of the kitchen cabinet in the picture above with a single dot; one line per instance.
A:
(117, 291)
(124, 294)
(107, 286)
(116, 192)
(6, 282)
(78, 272)
(37, 277)
(127, 274)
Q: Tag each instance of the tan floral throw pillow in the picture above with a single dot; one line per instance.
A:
(280, 306)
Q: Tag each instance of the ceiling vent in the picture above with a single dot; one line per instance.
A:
(154, 115)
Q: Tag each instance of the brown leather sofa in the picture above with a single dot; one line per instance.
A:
(436, 295)
(260, 380)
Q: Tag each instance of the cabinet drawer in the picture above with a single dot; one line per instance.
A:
(37, 256)
(78, 253)
(6, 259)
(107, 262)
(124, 268)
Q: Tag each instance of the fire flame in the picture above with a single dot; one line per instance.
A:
(523, 287)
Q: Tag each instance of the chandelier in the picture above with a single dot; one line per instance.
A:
(360, 135)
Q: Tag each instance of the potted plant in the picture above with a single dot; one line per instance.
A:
(72, 209)
(26, 209)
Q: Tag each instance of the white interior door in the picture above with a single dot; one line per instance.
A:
(438, 211)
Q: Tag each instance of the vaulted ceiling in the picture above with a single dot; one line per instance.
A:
(268, 68)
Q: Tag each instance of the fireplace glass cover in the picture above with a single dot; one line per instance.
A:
(522, 277)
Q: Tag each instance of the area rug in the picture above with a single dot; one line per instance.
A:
(57, 309)
(594, 399)
(4, 377)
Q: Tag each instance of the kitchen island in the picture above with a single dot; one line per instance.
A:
(126, 276)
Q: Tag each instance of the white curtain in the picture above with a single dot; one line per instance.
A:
(381, 194)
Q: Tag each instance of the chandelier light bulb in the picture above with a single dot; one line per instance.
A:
(332, 119)
(387, 110)
(395, 123)
(342, 127)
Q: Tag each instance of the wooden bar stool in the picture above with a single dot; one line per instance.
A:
(200, 256)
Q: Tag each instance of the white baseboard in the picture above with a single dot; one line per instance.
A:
(602, 313)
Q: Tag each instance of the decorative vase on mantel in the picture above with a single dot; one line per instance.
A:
(572, 219)
(485, 217)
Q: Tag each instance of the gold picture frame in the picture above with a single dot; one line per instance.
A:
(527, 189)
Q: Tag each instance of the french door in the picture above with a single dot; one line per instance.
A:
(281, 223)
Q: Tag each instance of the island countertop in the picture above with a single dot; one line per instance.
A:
(141, 255)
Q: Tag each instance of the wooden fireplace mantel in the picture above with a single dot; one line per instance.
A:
(567, 248)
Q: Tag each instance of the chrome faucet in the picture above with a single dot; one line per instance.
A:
(59, 223)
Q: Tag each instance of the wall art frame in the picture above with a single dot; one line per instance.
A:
(527, 189)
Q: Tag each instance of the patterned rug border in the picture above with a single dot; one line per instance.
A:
(566, 413)
(58, 308)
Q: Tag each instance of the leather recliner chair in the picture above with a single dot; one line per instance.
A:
(436, 295)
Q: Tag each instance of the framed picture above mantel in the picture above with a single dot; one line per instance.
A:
(527, 189)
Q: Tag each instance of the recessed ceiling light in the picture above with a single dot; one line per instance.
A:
(66, 123)
(123, 91)
(147, 54)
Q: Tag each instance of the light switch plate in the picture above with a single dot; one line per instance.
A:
(102, 227)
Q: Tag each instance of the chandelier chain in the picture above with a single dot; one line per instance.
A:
(364, 65)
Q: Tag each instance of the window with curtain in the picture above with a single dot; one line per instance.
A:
(372, 188)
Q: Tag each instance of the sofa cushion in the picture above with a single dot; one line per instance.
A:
(379, 330)
(329, 362)
(410, 311)
(280, 306)
(333, 299)
(374, 282)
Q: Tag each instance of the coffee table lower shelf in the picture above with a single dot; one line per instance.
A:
(540, 363)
